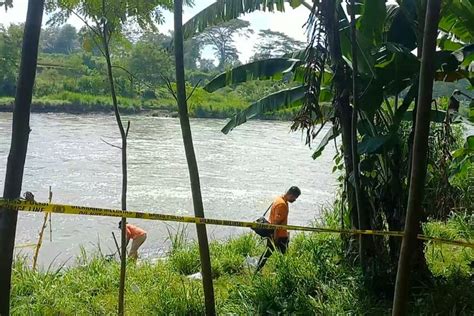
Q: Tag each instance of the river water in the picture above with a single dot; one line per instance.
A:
(240, 174)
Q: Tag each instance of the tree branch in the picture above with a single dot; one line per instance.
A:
(170, 88)
(192, 91)
(128, 128)
(112, 144)
(97, 33)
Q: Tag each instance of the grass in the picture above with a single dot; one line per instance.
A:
(201, 104)
(448, 260)
(313, 278)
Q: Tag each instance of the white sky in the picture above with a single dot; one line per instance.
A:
(289, 22)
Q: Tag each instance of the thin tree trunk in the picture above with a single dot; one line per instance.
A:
(123, 135)
(19, 145)
(341, 99)
(362, 213)
(420, 150)
(191, 159)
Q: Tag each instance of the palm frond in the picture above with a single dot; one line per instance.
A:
(272, 68)
(276, 101)
(226, 10)
(310, 113)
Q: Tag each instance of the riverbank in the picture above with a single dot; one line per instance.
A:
(201, 105)
(313, 278)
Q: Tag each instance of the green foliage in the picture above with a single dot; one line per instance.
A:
(449, 260)
(458, 22)
(312, 278)
(114, 13)
(461, 171)
(371, 22)
(221, 40)
(272, 68)
(224, 11)
(10, 45)
(286, 98)
(271, 44)
(64, 40)
(150, 63)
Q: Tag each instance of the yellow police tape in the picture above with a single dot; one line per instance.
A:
(28, 206)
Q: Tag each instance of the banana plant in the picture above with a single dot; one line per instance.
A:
(388, 65)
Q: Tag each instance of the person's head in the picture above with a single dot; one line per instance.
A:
(29, 196)
(292, 194)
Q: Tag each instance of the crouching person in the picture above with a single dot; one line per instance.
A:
(138, 237)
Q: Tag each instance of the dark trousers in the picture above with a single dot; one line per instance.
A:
(280, 244)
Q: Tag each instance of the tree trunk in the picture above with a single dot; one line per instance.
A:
(363, 216)
(123, 135)
(341, 100)
(191, 159)
(420, 150)
(18, 146)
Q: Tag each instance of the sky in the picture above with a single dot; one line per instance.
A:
(290, 22)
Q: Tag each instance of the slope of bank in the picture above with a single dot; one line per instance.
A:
(201, 105)
(313, 278)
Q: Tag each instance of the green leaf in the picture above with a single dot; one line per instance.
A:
(330, 134)
(402, 24)
(409, 97)
(273, 102)
(370, 145)
(437, 116)
(295, 3)
(300, 54)
(262, 69)
(226, 10)
(457, 18)
(470, 143)
(372, 20)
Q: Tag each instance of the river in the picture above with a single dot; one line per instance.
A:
(240, 174)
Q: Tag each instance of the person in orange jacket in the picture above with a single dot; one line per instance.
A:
(279, 216)
(138, 236)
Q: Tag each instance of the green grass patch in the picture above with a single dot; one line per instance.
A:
(312, 278)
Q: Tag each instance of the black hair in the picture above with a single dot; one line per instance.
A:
(294, 191)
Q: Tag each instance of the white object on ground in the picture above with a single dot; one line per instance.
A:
(251, 262)
(195, 276)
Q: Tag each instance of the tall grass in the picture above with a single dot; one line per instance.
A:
(201, 104)
(312, 278)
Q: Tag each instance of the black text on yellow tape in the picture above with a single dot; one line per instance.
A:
(28, 206)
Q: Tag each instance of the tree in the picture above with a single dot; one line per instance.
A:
(221, 39)
(19, 145)
(66, 40)
(150, 62)
(192, 53)
(60, 40)
(10, 43)
(420, 150)
(275, 44)
(191, 159)
(206, 64)
(107, 20)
